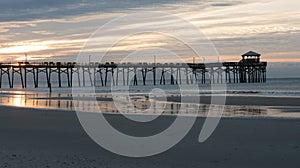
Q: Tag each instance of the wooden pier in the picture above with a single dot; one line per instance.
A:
(248, 70)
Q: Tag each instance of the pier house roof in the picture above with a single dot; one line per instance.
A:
(251, 54)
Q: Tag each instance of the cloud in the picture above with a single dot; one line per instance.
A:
(221, 4)
(3, 30)
(269, 27)
(16, 10)
(43, 32)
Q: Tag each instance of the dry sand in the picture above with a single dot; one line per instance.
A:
(48, 138)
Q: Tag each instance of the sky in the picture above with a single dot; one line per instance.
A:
(55, 30)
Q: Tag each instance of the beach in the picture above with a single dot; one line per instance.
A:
(150, 84)
(54, 138)
(259, 128)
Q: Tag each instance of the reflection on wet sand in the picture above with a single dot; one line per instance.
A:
(33, 101)
(132, 105)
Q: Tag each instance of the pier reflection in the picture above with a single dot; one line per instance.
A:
(141, 104)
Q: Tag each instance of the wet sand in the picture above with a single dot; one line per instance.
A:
(246, 100)
(52, 138)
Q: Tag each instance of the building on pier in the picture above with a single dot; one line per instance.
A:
(251, 57)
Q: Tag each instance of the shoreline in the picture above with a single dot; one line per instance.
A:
(242, 117)
(235, 106)
(229, 100)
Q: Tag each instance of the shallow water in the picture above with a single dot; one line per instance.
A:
(136, 103)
